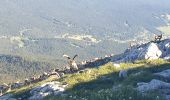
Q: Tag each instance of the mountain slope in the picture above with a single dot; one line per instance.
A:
(15, 68)
(44, 27)
(103, 82)
(143, 79)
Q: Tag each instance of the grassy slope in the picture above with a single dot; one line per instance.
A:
(97, 83)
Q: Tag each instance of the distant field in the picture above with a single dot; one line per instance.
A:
(165, 29)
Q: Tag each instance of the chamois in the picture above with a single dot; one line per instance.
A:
(72, 63)
(8, 87)
(158, 37)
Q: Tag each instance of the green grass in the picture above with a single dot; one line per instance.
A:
(97, 83)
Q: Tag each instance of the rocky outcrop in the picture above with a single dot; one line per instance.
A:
(152, 51)
(165, 47)
(7, 97)
(50, 88)
(165, 74)
(155, 85)
(152, 85)
(149, 51)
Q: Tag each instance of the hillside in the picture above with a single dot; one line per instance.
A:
(50, 28)
(100, 83)
(84, 49)
(145, 77)
(16, 68)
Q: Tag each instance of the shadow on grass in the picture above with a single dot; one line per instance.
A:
(133, 77)
(102, 87)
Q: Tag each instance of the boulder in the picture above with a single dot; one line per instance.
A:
(152, 51)
(144, 51)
